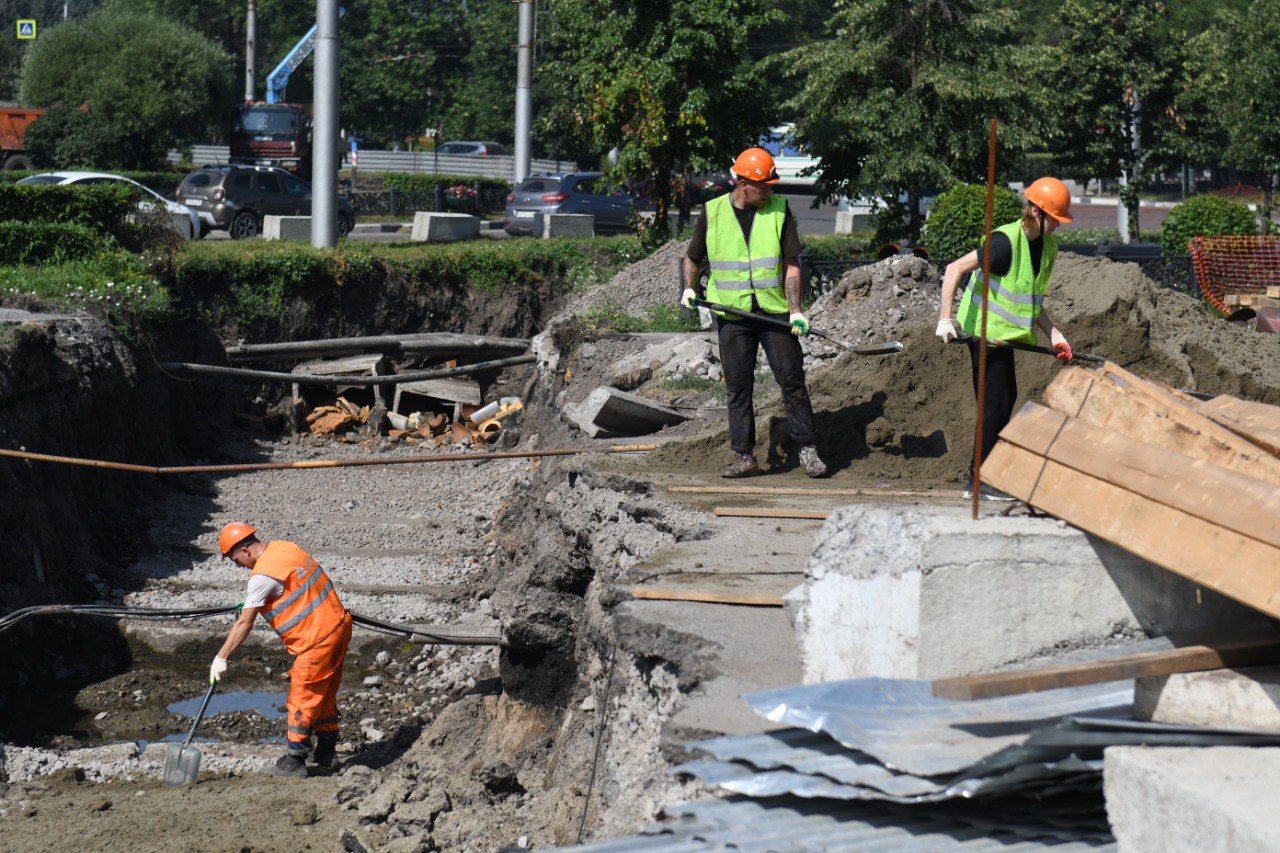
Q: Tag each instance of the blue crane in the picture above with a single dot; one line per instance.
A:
(279, 77)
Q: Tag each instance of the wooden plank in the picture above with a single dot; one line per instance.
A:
(785, 490)
(649, 593)
(1236, 566)
(1249, 652)
(1273, 291)
(1119, 402)
(755, 512)
(453, 390)
(359, 365)
(1226, 498)
(1255, 422)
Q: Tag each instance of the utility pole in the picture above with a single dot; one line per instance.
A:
(324, 162)
(250, 53)
(524, 87)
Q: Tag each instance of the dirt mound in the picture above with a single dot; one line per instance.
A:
(648, 282)
(907, 419)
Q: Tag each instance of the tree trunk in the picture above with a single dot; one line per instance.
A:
(913, 215)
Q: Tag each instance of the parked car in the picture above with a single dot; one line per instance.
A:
(149, 202)
(236, 198)
(473, 149)
(575, 192)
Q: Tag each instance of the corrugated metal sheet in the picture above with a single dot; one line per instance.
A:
(902, 725)
(786, 825)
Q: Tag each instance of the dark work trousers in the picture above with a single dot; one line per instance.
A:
(1002, 392)
(740, 340)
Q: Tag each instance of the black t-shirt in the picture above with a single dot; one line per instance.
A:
(1002, 254)
(697, 251)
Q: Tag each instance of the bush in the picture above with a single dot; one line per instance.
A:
(162, 182)
(958, 219)
(1204, 216)
(48, 242)
(413, 182)
(102, 207)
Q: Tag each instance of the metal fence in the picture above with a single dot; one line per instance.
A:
(395, 202)
(424, 162)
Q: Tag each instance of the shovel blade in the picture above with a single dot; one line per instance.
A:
(181, 766)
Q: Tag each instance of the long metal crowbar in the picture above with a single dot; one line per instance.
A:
(885, 348)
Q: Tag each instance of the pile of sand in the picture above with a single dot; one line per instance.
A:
(644, 284)
(907, 419)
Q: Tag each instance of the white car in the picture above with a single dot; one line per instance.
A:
(185, 220)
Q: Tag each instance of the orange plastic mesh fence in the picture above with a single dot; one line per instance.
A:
(1236, 267)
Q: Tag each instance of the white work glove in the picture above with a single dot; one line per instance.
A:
(216, 669)
(947, 331)
(799, 325)
(686, 298)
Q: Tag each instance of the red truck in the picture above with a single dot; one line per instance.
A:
(272, 135)
(14, 121)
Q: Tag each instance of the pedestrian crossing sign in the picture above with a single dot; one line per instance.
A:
(26, 28)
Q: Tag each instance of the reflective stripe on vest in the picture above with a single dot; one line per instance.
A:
(308, 610)
(739, 268)
(1016, 296)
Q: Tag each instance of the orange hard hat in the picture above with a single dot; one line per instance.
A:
(756, 164)
(232, 535)
(1052, 196)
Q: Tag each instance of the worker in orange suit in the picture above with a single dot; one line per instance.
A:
(295, 596)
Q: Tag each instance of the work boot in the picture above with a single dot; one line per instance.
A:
(326, 755)
(743, 465)
(290, 764)
(812, 462)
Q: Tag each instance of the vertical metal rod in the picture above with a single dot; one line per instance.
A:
(524, 87)
(324, 159)
(982, 333)
(250, 52)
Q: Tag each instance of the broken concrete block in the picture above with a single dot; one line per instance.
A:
(1247, 698)
(630, 372)
(929, 593)
(609, 412)
(286, 227)
(1173, 798)
(444, 227)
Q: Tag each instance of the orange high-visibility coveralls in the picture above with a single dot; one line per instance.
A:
(317, 629)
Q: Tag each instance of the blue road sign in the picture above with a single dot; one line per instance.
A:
(26, 28)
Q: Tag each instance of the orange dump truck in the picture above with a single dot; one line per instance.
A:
(13, 129)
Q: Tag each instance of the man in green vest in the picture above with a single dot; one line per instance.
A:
(749, 237)
(1022, 258)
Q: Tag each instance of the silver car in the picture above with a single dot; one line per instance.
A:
(185, 220)
(574, 192)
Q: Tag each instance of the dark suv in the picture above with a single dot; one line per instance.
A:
(235, 198)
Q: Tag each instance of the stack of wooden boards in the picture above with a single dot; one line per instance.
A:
(1186, 484)
(1270, 299)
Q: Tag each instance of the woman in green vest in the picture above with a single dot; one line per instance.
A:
(1022, 257)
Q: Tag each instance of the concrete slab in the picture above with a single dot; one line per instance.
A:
(286, 227)
(17, 315)
(564, 225)
(929, 593)
(444, 227)
(1247, 698)
(609, 412)
(1214, 799)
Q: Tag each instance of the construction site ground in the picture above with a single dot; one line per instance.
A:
(467, 748)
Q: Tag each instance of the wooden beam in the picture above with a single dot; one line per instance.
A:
(1250, 652)
(1124, 403)
(445, 343)
(1228, 499)
(1239, 567)
(756, 512)
(649, 593)
(1255, 422)
(784, 490)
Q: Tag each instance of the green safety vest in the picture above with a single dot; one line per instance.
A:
(737, 268)
(1015, 296)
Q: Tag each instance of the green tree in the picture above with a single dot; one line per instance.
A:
(48, 16)
(149, 84)
(669, 84)
(1108, 90)
(898, 99)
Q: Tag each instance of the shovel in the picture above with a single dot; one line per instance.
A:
(1075, 356)
(868, 349)
(182, 763)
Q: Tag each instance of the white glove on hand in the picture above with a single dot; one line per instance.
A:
(216, 669)
(686, 298)
(947, 330)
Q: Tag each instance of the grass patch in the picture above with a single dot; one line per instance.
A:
(117, 286)
(689, 383)
(659, 318)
